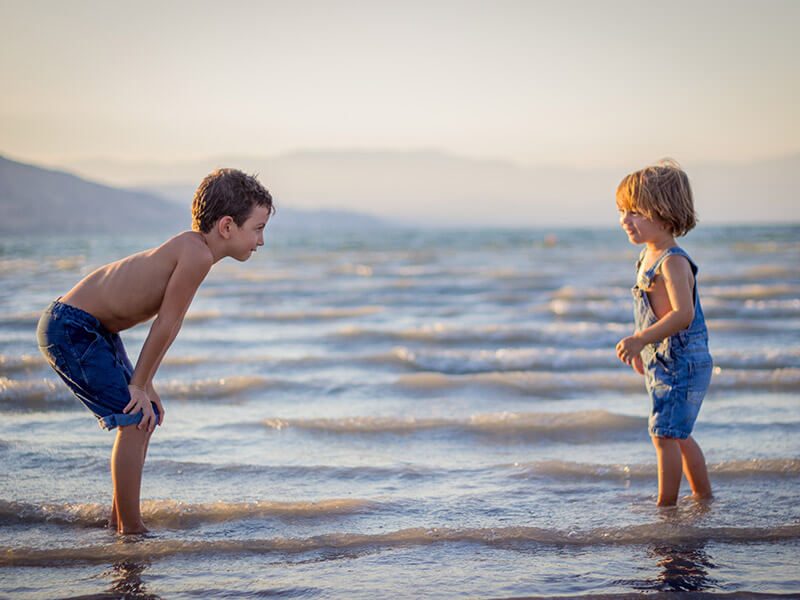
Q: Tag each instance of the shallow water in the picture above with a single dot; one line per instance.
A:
(408, 414)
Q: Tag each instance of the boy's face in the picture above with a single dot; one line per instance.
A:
(247, 238)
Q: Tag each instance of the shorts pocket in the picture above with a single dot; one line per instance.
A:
(83, 341)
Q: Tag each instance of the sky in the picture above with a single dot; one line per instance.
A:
(579, 84)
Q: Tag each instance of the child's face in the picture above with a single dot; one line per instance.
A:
(247, 238)
(640, 229)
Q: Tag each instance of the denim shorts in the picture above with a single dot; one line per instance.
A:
(677, 376)
(91, 360)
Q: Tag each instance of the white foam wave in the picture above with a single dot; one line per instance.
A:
(180, 515)
(571, 334)
(36, 393)
(503, 537)
(223, 387)
(20, 362)
(516, 424)
(505, 359)
(734, 469)
(558, 384)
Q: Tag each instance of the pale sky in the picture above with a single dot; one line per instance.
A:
(556, 83)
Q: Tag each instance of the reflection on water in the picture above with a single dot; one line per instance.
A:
(126, 581)
(684, 568)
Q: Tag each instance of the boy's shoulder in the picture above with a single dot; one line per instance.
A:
(189, 245)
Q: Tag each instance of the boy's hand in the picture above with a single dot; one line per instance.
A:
(140, 402)
(629, 348)
(156, 399)
(637, 365)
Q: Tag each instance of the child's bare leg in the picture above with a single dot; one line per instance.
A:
(668, 456)
(694, 467)
(113, 522)
(127, 461)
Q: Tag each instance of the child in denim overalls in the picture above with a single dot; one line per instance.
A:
(670, 346)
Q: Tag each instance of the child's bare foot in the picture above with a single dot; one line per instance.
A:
(702, 497)
(133, 530)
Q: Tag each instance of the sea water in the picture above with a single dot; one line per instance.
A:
(410, 413)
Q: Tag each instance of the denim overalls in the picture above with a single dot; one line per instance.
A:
(678, 368)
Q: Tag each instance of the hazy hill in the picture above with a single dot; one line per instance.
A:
(47, 201)
(50, 201)
(434, 188)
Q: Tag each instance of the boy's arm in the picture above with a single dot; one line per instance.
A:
(190, 270)
(676, 272)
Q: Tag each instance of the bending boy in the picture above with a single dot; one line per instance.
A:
(79, 333)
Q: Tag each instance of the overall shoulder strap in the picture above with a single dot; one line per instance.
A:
(675, 250)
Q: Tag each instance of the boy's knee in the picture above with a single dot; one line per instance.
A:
(130, 432)
(663, 442)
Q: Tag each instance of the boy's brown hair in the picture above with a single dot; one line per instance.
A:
(660, 191)
(227, 192)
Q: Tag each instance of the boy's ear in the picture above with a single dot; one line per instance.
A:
(225, 226)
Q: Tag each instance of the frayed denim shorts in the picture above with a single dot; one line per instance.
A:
(91, 360)
(677, 377)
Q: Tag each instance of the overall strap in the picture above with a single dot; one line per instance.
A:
(675, 250)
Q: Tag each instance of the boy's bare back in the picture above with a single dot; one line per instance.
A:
(136, 288)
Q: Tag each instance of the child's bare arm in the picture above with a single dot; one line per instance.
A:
(676, 273)
(191, 268)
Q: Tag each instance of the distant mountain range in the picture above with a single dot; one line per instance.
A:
(439, 189)
(35, 199)
(357, 189)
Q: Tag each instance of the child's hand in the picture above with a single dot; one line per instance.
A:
(637, 365)
(140, 402)
(156, 399)
(629, 348)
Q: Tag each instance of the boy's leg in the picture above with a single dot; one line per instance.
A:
(694, 467)
(668, 456)
(114, 520)
(127, 461)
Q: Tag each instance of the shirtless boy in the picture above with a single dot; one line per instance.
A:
(79, 333)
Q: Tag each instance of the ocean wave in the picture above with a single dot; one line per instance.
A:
(559, 384)
(778, 358)
(460, 362)
(580, 334)
(236, 470)
(752, 309)
(505, 359)
(510, 538)
(20, 362)
(525, 382)
(180, 515)
(758, 274)
(754, 326)
(733, 469)
(751, 292)
(50, 393)
(26, 319)
(533, 425)
(223, 387)
(32, 394)
(713, 307)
